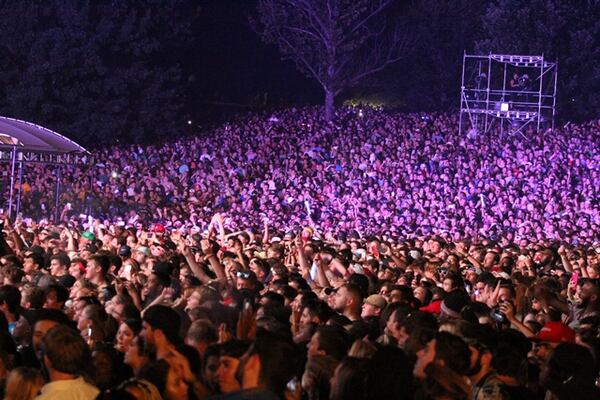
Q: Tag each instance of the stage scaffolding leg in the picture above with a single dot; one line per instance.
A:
(57, 195)
(462, 93)
(487, 98)
(18, 209)
(12, 181)
(554, 95)
(540, 95)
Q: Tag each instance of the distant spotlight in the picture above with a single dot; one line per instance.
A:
(189, 121)
(360, 113)
(504, 106)
(114, 174)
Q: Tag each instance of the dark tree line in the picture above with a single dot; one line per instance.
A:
(97, 71)
(100, 71)
(563, 30)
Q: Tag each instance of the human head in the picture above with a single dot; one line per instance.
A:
(56, 297)
(97, 267)
(270, 363)
(349, 379)
(246, 280)
(33, 297)
(201, 334)
(59, 264)
(230, 354)
(160, 326)
(166, 378)
(126, 333)
(348, 298)
(10, 299)
(569, 372)
(23, 383)
(373, 306)
(32, 263)
(45, 320)
(65, 351)
(210, 366)
(314, 311)
(445, 350)
(153, 286)
(329, 340)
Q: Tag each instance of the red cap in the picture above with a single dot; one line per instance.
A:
(159, 228)
(556, 332)
(435, 307)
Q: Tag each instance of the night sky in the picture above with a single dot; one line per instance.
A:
(233, 65)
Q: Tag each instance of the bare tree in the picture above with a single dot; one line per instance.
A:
(337, 42)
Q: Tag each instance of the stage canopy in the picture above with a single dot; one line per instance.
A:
(28, 137)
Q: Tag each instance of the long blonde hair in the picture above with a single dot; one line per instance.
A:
(23, 383)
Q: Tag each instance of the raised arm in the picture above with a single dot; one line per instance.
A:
(194, 266)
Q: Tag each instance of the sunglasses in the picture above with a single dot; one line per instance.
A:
(243, 274)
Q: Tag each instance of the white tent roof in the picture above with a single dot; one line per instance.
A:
(31, 137)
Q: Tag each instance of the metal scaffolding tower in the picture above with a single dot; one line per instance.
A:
(514, 90)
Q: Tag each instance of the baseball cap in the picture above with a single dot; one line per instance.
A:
(144, 250)
(125, 251)
(376, 300)
(88, 235)
(556, 332)
(159, 228)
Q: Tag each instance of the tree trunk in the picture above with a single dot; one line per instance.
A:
(329, 100)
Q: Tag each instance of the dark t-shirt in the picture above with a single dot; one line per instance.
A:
(66, 280)
(519, 393)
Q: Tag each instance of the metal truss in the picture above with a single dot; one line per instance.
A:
(17, 157)
(517, 90)
(67, 159)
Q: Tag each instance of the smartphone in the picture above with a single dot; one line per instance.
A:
(574, 278)
(375, 250)
(292, 385)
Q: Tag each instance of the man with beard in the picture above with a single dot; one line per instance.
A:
(485, 380)
(542, 259)
(348, 301)
(589, 302)
(160, 330)
(445, 351)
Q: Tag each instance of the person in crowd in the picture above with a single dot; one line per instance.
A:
(23, 383)
(67, 359)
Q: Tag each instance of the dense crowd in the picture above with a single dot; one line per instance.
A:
(379, 257)
(372, 171)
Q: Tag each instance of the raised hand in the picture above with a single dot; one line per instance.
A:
(246, 326)
(224, 334)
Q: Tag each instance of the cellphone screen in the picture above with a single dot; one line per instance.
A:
(574, 278)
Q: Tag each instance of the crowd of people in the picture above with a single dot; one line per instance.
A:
(383, 256)
(372, 171)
